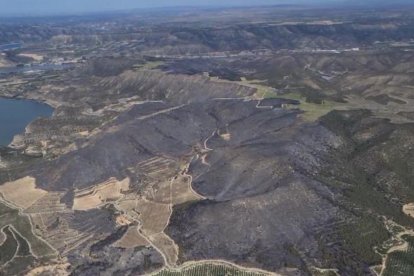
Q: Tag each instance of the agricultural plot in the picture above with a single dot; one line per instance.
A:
(22, 225)
(22, 257)
(159, 168)
(165, 184)
(132, 239)
(22, 193)
(15, 253)
(51, 221)
(154, 215)
(146, 212)
(42, 215)
(110, 190)
(55, 228)
(9, 247)
(48, 204)
(181, 190)
(209, 269)
(401, 262)
(167, 246)
(175, 191)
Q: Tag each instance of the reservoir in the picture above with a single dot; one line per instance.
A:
(16, 114)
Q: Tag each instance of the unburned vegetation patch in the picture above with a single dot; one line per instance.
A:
(15, 255)
(9, 247)
(401, 262)
(23, 228)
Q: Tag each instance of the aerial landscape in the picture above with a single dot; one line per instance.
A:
(244, 138)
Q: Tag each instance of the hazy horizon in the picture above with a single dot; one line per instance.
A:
(56, 7)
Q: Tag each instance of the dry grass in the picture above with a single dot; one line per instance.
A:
(167, 246)
(87, 202)
(33, 56)
(174, 191)
(408, 209)
(160, 192)
(154, 216)
(53, 269)
(132, 239)
(110, 190)
(22, 193)
(182, 192)
(122, 220)
(50, 203)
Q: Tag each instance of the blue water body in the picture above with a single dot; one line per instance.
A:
(16, 114)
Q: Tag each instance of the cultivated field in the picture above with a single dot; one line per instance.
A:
(206, 268)
(22, 193)
(401, 262)
(110, 190)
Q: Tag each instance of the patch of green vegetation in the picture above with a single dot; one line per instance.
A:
(24, 249)
(207, 270)
(150, 65)
(401, 262)
(312, 110)
(263, 91)
(362, 236)
(313, 103)
(22, 225)
(19, 265)
(350, 245)
(402, 164)
(364, 193)
(9, 246)
(384, 248)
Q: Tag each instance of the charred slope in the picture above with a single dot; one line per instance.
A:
(252, 170)
(366, 73)
(142, 85)
(279, 193)
(157, 129)
(299, 197)
(264, 206)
